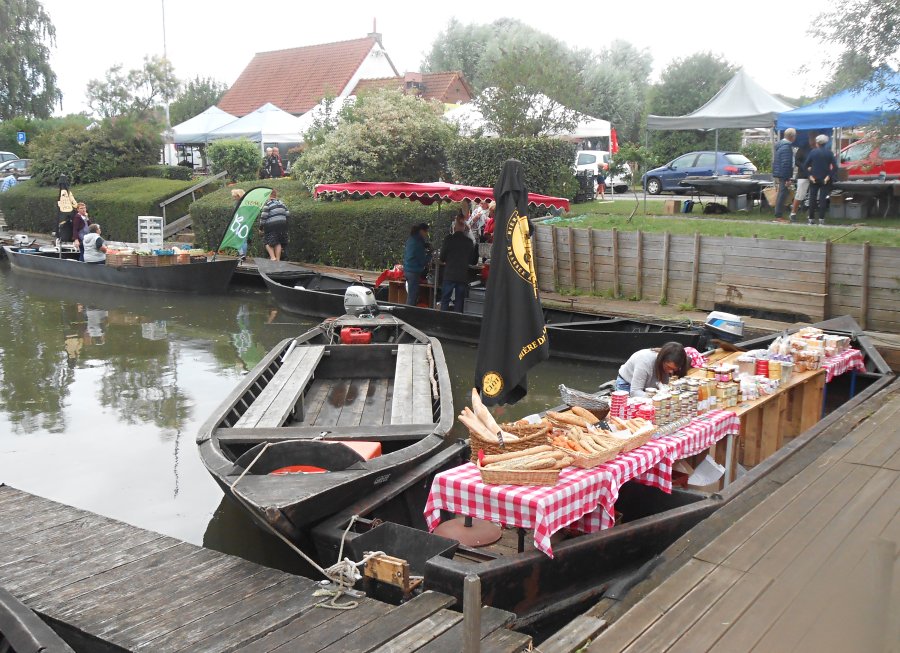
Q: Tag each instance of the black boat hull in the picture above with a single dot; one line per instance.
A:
(197, 278)
(575, 336)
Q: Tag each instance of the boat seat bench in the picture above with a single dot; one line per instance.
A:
(411, 402)
(283, 395)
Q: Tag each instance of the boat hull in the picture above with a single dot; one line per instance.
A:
(196, 278)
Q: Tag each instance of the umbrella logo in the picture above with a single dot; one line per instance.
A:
(492, 384)
(518, 249)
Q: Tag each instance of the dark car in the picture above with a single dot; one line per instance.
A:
(18, 168)
(695, 164)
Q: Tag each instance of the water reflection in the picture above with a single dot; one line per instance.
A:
(103, 391)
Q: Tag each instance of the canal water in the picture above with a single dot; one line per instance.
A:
(102, 393)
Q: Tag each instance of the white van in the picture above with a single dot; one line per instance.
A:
(593, 159)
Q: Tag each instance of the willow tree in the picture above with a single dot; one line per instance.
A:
(27, 83)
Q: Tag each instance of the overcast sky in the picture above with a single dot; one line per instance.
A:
(218, 39)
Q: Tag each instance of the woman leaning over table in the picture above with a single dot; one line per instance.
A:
(648, 368)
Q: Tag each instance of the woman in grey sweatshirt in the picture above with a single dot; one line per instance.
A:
(648, 368)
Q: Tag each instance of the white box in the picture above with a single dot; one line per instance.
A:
(150, 230)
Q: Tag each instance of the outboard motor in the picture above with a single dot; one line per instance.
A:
(22, 240)
(359, 300)
(725, 326)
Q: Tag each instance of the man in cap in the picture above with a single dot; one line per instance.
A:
(821, 167)
(416, 256)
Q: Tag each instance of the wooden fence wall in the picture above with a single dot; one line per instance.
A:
(819, 280)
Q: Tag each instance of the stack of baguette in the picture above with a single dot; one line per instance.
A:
(479, 421)
(534, 466)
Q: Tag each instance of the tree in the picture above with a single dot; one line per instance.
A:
(460, 47)
(140, 92)
(685, 85)
(616, 87)
(195, 97)
(241, 159)
(383, 136)
(33, 129)
(27, 83)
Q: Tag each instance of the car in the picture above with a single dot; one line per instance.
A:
(869, 157)
(593, 160)
(695, 164)
(18, 168)
(8, 156)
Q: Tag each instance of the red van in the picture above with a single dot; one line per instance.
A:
(867, 157)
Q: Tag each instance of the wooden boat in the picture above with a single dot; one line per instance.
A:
(579, 336)
(22, 631)
(285, 442)
(208, 277)
(583, 568)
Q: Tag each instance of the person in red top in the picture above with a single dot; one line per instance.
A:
(488, 232)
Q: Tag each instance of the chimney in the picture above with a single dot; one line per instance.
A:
(374, 34)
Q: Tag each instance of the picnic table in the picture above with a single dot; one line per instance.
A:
(582, 498)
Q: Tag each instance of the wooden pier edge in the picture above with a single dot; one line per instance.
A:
(738, 499)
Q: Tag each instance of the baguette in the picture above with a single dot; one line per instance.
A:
(563, 463)
(516, 454)
(584, 413)
(567, 418)
(484, 414)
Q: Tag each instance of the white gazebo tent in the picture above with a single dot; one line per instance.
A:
(198, 128)
(268, 124)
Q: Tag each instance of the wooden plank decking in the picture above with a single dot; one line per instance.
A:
(106, 586)
(814, 567)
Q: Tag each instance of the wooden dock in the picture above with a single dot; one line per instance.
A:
(107, 586)
(814, 567)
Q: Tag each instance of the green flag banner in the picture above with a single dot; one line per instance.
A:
(244, 217)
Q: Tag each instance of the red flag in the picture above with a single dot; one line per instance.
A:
(613, 141)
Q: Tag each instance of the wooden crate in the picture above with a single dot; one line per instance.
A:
(118, 260)
(155, 261)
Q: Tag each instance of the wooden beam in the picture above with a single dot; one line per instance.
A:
(827, 276)
(555, 259)
(591, 259)
(571, 235)
(695, 272)
(664, 290)
(864, 283)
(615, 261)
(639, 268)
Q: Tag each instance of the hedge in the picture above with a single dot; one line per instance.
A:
(115, 204)
(364, 234)
(548, 163)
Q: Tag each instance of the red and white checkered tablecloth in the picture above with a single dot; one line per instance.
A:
(843, 363)
(582, 498)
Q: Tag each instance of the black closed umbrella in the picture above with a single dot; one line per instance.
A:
(513, 335)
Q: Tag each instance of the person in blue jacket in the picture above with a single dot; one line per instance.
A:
(783, 168)
(416, 257)
(821, 167)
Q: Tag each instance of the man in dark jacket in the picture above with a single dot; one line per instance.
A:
(821, 167)
(783, 168)
(458, 252)
(416, 256)
(273, 221)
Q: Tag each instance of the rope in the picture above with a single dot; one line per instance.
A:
(434, 387)
(344, 573)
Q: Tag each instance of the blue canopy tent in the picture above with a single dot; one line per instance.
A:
(851, 108)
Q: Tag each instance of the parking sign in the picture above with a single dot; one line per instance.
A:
(20, 138)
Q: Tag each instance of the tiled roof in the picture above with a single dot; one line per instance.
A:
(450, 87)
(296, 79)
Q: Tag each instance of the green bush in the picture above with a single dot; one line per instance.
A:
(547, 163)
(182, 173)
(242, 159)
(115, 204)
(364, 234)
(92, 155)
(760, 154)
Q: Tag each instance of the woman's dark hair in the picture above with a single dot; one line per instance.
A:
(671, 352)
(413, 230)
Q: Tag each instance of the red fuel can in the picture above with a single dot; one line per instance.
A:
(355, 336)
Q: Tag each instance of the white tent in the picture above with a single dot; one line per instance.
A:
(268, 124)
(740, 104)
(469, 119)
(197, 129)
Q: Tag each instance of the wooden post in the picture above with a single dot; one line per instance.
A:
(828, 278)
(572, 257)
(639, 270)
(472, 614)
(695, 273)
(555, 259)
(615, 257)
(664, 290)
(864, 300)
(591, 259)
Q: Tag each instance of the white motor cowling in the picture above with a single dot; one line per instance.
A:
(726, 326)
(359, 300)
(22, 240)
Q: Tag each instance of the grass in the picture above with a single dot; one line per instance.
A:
(877, 231)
